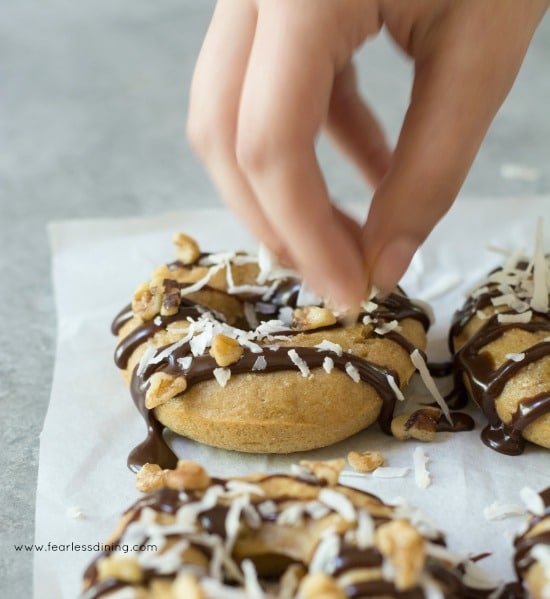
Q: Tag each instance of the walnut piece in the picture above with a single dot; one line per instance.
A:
(225, 350)
(403, 545)
(171, 298)
(319, 585)
(312, 317)
(163, 387)
(420, 425)
(187, 475)
(187, 249)
(186, 586)
(327, 472)
(121, 568)
(367, 461)
(147, 301)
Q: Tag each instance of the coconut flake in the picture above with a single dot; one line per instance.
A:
(251, 584)
(389, 472)
(476, 578)
(431, 588)
(259, 364)
(265, 264)
(267, 508)
(185, 362)
(328, 364)
(533, 501)
(292, 515)
(515, 357)
(222, 375)
(326, 552)
(352, 372)
(242, 487)
(146, 359)
(522, 318)
(395, 387)
(307, 297)
(75, 513)
(339, 503)
(500, 511)
(481, 315)
(420, 364)
(387, 327)
(316, 509)
(363, 535)
(421, 474)
(201, 282)
(299, 362)
(250, 315)
(327, 345)
(369, 306)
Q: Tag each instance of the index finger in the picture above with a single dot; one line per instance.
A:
(284, 103)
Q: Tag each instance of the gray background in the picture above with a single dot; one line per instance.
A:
(93, 100)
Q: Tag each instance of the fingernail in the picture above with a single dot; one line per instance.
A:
(392, 262)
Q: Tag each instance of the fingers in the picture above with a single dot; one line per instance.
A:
(355, 129)
(213, 110)
(283, 105)
(464, 69)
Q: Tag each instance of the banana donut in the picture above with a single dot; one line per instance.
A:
(532, 548)
(274, 536)
(501, 340)
(232, 351)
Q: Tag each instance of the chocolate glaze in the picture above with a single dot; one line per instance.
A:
(154, 449)
(487, 382)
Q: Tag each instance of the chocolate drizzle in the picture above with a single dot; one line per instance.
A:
(154, 449)
(486, 381)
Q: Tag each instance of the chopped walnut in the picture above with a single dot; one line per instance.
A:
(319, 585)
(403, 545)
(187, 249)
(367, 461)
(147, 301)
(162, 388)
(225, 350)
(187, 475)
(171, 298)
(420, 425)
(186, 586)
(328, 471)
(120, 568)
(312, 317)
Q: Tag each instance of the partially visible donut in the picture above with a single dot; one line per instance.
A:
(229, 350)
(274, 536)
(501, 340)
(532, 555)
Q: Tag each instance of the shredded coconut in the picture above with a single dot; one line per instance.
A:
(339, 503)
(222, 375)
(387, 327)
(390, 472)
(327, 345)
(421, 475)
(299, 362)
(420, 364)
(476, 578)
(515, 357)
(500, 511)
(328, 364)
(352, 372)
(394, 387)
(522, 318)
(259, 364)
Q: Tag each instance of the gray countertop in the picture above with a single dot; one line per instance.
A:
(93, 101)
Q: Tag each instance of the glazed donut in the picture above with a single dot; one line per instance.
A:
(232, 351)
(274, 536)
(501, 340)
(532, 549)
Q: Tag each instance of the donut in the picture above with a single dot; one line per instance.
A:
(233, 351)
(501, 344)
(532, 548)
(274, 536)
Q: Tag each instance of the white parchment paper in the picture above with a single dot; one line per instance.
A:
(92, 424)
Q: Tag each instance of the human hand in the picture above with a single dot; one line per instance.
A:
(272, 73)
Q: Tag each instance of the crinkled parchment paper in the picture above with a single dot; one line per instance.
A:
(92, 424)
